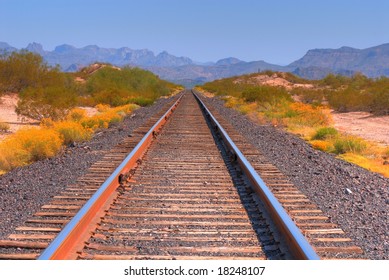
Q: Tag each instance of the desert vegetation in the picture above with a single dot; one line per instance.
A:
(117, 87)
(51, 97)
(44, 91)
(346, 94)
(305, 109)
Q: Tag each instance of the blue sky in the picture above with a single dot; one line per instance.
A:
(204, 30)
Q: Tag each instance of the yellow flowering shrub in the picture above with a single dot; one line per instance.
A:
(76, 114)
(29, 145)
(72, 132)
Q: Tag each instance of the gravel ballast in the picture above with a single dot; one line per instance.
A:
(354, 198)
(25, 189)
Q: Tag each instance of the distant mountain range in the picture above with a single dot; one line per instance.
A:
(315, 64)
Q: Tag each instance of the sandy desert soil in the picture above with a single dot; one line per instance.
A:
(364, 125)
(7, 115)
(274, 80)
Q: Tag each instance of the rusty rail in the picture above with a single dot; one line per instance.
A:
(297, 243)
(77, 230)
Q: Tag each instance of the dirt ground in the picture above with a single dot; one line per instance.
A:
(8, 115)
(274, 80)
(364, 125)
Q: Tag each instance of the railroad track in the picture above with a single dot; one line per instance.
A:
(190, 195)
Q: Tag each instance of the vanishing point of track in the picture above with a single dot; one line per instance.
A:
(189, 195)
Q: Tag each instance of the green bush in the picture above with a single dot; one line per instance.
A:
(265, 94)
(45, 92)
(310, 95)
(20, 70)
(359, 93)
(325, 133)
(141, 101)
(119, 87)
(349, 144)
(46, 102)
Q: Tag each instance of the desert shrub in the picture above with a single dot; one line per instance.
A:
(141, 101)
(4, 127)
(265, 94)
(334, 81)
(72, 132)
(34, 143)
(273, 110)
(12, 156)
(305, 114)
(230, 102)
(47, 123)
(349, 143)
(320, 145)
(20, 70)
(310, 96)
(76, 114)
(112, 96)
(95, 122)
(360, 93)
(380, 102)
(119, 87)
(345, 100)
(385, 153)
(102, 107)
(86, 101)
(101, 120)
(324, 133)
(294, 79)
(43, 91)
(107, 116)
(49, 102)
(247, 108)
(27, 146)
(126, 109)
(225, 86)
(39, 143)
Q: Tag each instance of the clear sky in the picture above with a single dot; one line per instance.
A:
(278, 31)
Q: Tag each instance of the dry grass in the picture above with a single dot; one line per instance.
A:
(313, 123)
(371, 164)
(4, 127)
(356, 150)
(386, 153)
(32, 144)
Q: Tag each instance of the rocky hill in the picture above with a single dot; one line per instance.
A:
(71, 58)
(6, 48)
(204, 73)
(372, 62)
(316, 64)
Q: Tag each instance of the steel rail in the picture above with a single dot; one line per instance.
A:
(298, 244)
(76, 230)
